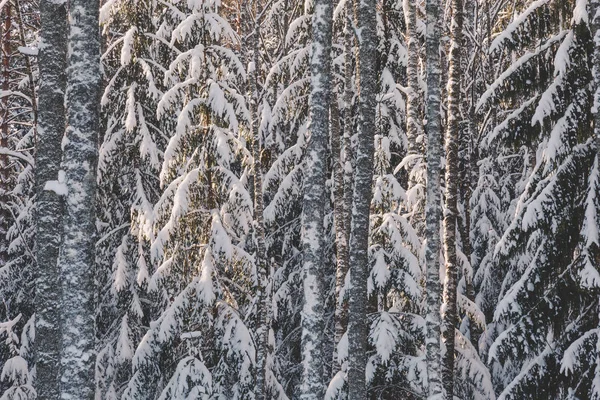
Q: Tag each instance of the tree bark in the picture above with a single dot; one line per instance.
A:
(413, 126)
(339, 211)
(49, 205)
(264, 295)
(313, 206)
(432, 206)
(77, 258)
(6, 38)
(452, 179)
(363, 179)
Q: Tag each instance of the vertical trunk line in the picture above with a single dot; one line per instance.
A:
(452, 179)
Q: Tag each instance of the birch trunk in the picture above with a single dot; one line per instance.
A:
(313, 206)
(49, 205)
(432, 206)
(413, 126)
(363, 179)
(449, 314)
(76, 257)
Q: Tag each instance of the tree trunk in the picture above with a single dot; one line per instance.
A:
(595, 26)
(5, 37)
(76, 257)
(339, 212)
(432, 206)
(264, 295)
(413, 125)
(49, 205)
(313, 205)
(449, 314)
(363, 179)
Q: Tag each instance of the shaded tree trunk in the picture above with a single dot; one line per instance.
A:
(49, 205)
(6, 38)
(432, 206)
(363, 180)
(339, 212)
(77, 258)
(313, 205)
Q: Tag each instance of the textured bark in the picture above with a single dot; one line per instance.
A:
(264, 295)
(452, 180)
(363, 179)
(595, 26)
(5, 37)
(413, 126)
(348, 125)
(340, 143)
(28, 66)
(339, 212)
(432, 206)
(49, 205)
(313, 205)
(76, 257)
(468, 155)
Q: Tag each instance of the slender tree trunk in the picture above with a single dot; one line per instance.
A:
(339, 211)
(347, 152)
(6, 38)
(343, 180)
(469, 165)
(363, 179)
(28, 65)
(595, 26)
(313, 209)
(432, 206)
(413, 126)
(49, 205)
(76, 257)
(264, 309)
(449, 315)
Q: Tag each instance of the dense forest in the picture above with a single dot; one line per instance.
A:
(285, 199)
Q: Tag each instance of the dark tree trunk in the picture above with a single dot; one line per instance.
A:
(449, 315)
(49, 204)
(363, 179)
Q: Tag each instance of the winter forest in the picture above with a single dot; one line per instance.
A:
(300, 199)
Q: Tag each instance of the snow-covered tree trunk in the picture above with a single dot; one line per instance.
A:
(413, 126)
(49, 204)
(452, 180)
(363, 180)
(264, 295)
(76, 258)
(312, 386)
(432, 206)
